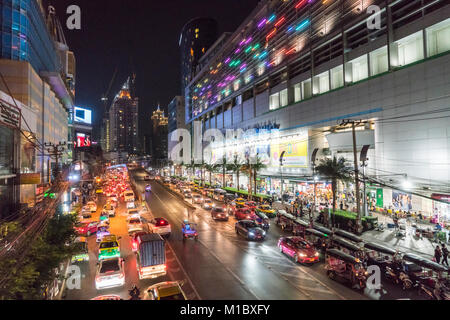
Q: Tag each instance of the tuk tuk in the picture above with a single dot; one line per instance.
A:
(432, 282)
(348, 235)
(344, 267)
(299, 226)
(323, 230)
(379, 255)
(284, 220)
(319, 239)
(347, 247)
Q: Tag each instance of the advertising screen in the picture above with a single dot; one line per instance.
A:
(296, 152)
(83, 140)
(82, 115)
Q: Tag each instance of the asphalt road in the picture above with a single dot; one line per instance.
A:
(221, 265)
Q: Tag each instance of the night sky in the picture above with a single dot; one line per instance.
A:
(140, 36)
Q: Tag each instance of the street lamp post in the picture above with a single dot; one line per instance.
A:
(281, 172)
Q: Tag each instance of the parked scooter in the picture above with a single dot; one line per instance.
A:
(434, 290)
(398, 276)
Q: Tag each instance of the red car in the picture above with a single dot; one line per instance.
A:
(245, 214)
(87, 228)
(251, 204)
(298, 248)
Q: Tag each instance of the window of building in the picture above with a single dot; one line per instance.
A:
(409, 49)
(337, 77)
(321, 83)
(357, 69)
(379, 61)
(306, 89)
(261, 69)
(274, 101)
(297, 92)
(284, 97)
(438, 38)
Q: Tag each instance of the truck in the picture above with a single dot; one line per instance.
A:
(150, 256)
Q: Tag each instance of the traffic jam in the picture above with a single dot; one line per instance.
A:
(143, 233)
(344, 257)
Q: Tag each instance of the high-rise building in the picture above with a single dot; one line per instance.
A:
(123, 120)
(176, 114)
(39, 71)
(159, 137)
(196, 37)
(300, 73)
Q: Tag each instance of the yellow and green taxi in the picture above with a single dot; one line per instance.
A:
(267, 210)
(109, 248)
(240, 201)
(81, 253)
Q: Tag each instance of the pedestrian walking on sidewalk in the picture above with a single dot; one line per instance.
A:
(437, 254)
(444, 254)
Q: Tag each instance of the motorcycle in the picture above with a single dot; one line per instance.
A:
(434, 290)
(398, 276)
(134, 293)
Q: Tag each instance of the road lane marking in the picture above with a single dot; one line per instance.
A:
(213, 254)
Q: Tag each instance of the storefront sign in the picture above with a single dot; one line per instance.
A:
(296, 154)
(441, 197)
(9, 115)
(30, 178)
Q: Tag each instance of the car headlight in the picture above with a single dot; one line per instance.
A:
(316, 254)
(302, 255)
(263, 233)
(251, 233)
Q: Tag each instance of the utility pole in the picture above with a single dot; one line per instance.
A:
(354, 124)
(313, 165)
(55, 151)
(281, 171)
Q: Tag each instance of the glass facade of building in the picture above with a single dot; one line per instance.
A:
(24, 35)
(285, 40)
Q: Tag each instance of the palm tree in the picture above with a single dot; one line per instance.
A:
(334, 170)
(211, 168)
(224, 167)
(257, 167)
(236, 167)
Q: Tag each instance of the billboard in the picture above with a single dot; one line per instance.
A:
(296, 152)
(82, 115)
(83, 140)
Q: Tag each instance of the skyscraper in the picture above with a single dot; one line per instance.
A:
(159, 137)
(196, 37)
(123, 120)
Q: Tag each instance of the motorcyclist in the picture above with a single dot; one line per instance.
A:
(134, 293)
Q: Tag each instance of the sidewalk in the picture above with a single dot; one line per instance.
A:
(410, 243)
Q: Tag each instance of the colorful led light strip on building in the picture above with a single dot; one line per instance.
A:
(262, 23)
(291, 51)
(248, 41)
(300, 3)
(227, 60)
(263, 55)
(272, 17)
(280, 21)
(302, 25)
(271, 34)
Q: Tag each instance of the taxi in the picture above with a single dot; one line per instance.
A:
(169, 290)
(109, 248)
(82, 253)
(99, 190)
(240, 201)
(267, 210)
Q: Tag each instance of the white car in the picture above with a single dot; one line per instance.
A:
(131, 205)
(208, 204)
(92, 205)
(197, 198)
(110, 273)
(109, 209)
(160, 226)
(128, 196)
(134, 224)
